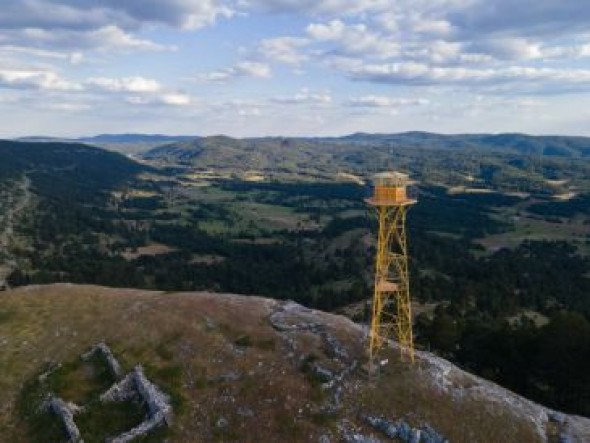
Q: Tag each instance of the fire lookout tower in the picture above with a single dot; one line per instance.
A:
(392, 310)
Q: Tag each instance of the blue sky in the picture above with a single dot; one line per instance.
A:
(294, 67)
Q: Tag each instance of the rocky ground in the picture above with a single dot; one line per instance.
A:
(252, 369)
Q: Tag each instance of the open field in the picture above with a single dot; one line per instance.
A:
(527, 226)
(149, 250)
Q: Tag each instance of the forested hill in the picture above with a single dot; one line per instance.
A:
(559, 146)
(54, 194)
(155, 146)
(65, 165)
(342, 149)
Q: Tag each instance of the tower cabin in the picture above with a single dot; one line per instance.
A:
(390, 189)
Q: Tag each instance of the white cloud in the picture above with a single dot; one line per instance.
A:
(112, 37)
(242, 69)
(507, 48)
(437, 28)
(329, 7)
(105, 25)
(73, 58)
(176, 99)
(334, 30)
(106, 38)
(240, 107)
(284, 49)
(355, 39)
(93, 14)
(125, 84)
(36, 79)
(69, 107)
(170, 99)
(422, 74)
(573, 51)
(249, 112)
(378, 101)
(305, 96)
(519, 18)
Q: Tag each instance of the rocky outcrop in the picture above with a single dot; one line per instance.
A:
(404, 432)
(289, 320)
(158, 403)
(107, 354)
(144, 428)
(66, 414)
(136, 385)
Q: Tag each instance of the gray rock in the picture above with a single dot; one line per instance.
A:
(429, 435)
(245, 412)
(222, 423)
(334, 348)
(136, 384)
(404, 431)
(157, 401)
(565, 438)
(121, 391)
(359, 438)
(324, 375)
(144, 428)
(382, 425)
(114, 366)
(557, 417)
(62, 410)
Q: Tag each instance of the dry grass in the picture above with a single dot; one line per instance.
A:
(192, 334)
(404, 391)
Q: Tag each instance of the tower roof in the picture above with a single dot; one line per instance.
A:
(391, 178)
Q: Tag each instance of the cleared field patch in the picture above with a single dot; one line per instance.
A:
(149, 250)
(527, 227)
(565, 196)
(455, 190)
(268, 216)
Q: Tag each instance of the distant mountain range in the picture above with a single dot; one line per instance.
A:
(135, 138)
(553, 145)
(558, 146)
(112, 138)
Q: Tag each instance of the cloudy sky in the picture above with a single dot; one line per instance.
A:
(294, 67)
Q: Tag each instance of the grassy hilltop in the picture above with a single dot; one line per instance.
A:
(220, 357)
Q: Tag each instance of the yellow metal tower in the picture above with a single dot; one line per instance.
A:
(392, 311)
